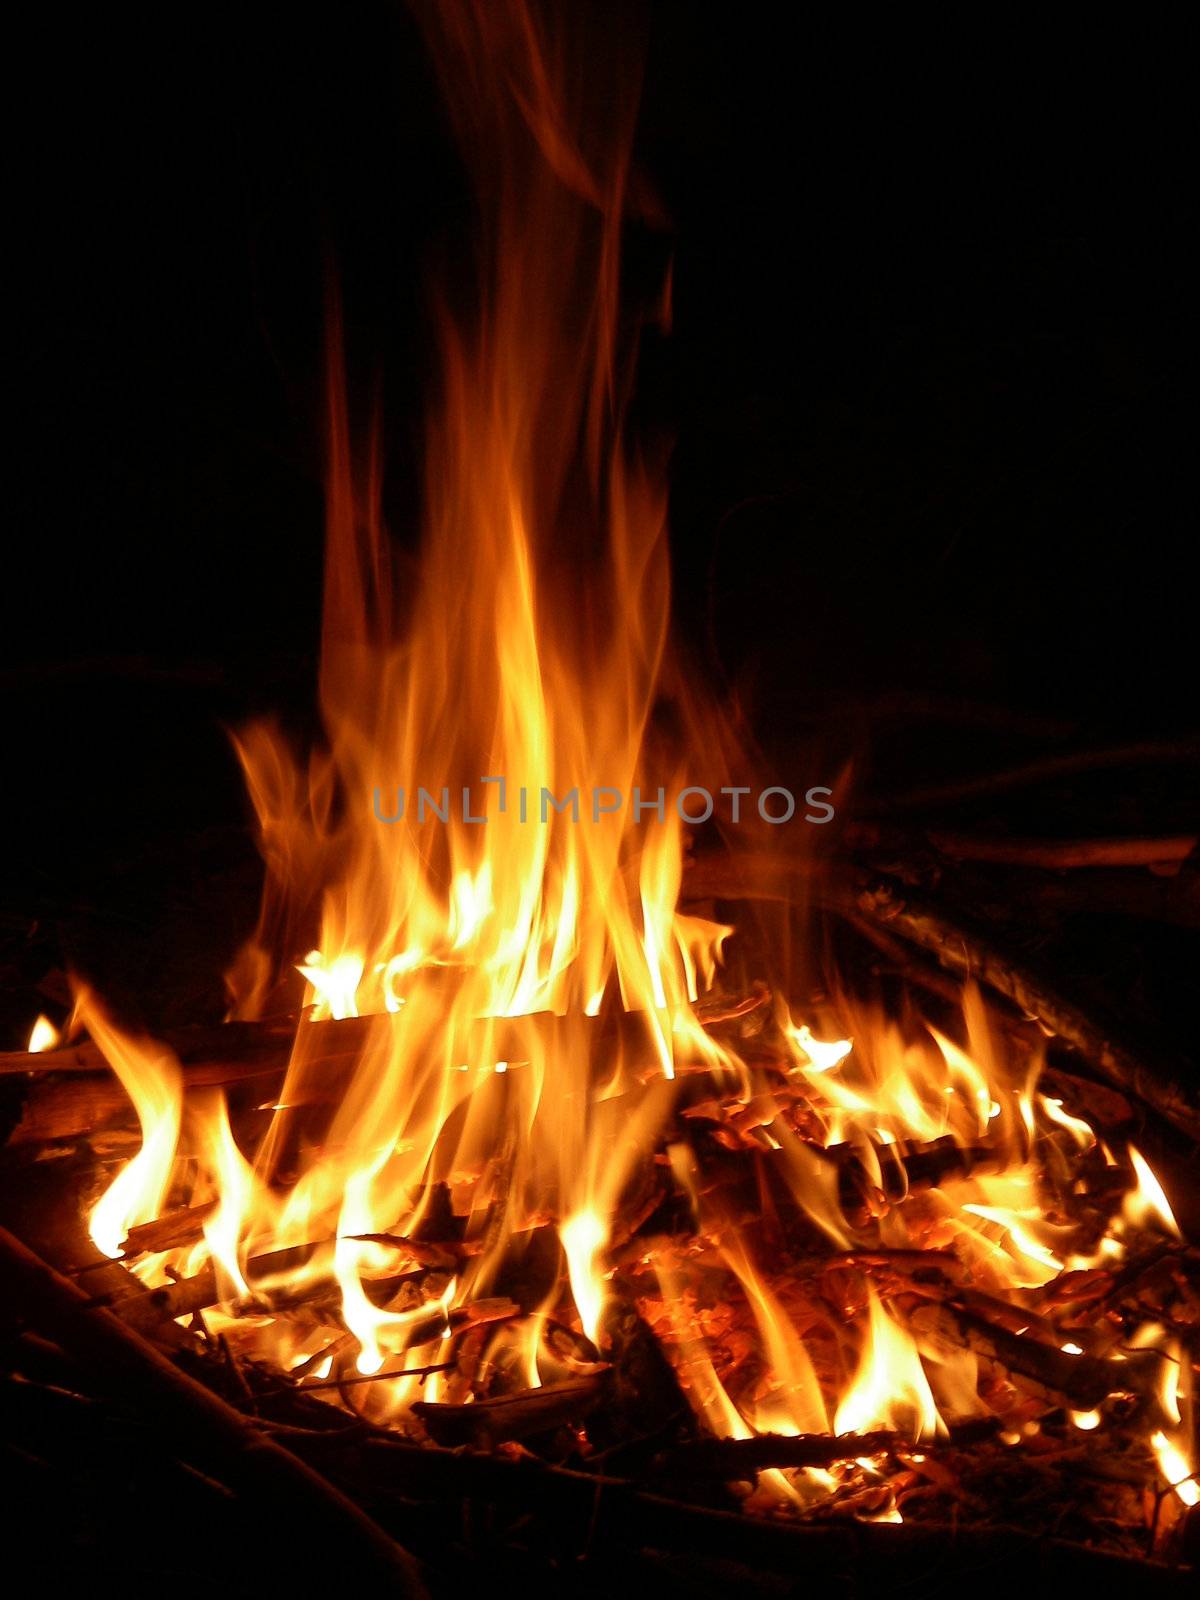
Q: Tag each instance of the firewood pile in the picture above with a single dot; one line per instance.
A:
(725, 1300)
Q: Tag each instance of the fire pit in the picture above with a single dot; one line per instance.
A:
(566, 1191)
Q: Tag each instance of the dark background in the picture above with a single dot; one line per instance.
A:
(930, 384)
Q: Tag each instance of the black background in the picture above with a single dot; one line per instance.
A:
(929, 384)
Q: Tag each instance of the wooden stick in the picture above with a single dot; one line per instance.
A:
(1082, 1381)
(735, 1458)
(1062, 854)
(224, 1442)
(239, 1049)
(908, 1169)
(1148, 754)
(486, 1423)
(149, 1309)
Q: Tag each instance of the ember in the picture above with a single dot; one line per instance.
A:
(555, 1157)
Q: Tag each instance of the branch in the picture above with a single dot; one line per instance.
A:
(486, 1423)
(1061, 854)
(963, 951)
(225, 1442)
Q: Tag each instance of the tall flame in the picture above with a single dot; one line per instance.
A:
(151, 1078)
(482, 859)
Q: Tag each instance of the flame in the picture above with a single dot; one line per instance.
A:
(43, 1036)
(818, 1055)
(459, 838)
(234, 1184)
(1175, 1468)
(583, 1236)
(151, 1077)
(889, 1388)
(1147, 1203)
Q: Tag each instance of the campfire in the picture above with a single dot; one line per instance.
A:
(530, 1145)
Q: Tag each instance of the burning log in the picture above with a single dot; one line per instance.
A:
(645, 1392)
(232, 1052)
(905, 1170)
(741, 1458)
(225, 1443)
(150, 1309)
(487, 1423)
(168, 1232)
(968, 954)
(1080, 1381)
(68, 1092)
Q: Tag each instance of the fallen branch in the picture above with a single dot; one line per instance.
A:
(1149, 754)
(223, 1441)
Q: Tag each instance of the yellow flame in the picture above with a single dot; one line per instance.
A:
(43, 1036)
(583, 1237)
(889, 1388)
(151, 1077)
(1175, 1468)
(1147, 1202)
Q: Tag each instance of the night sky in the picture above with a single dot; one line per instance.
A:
(929, 383)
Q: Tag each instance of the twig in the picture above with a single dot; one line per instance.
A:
(377, 1377)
